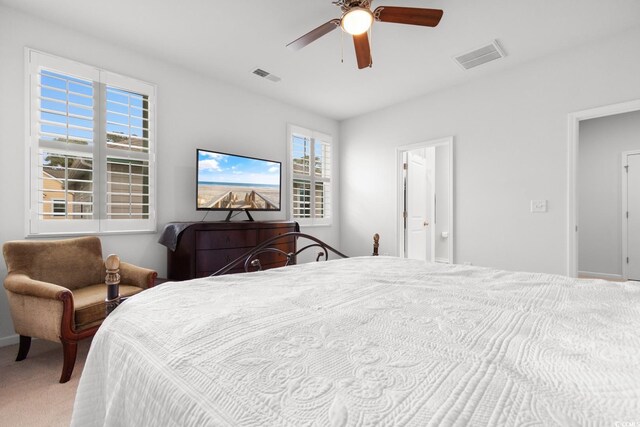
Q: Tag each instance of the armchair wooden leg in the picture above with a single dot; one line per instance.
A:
(23, 350)
(70, 349)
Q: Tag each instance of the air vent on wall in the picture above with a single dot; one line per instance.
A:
(267, 75)
(480, 56)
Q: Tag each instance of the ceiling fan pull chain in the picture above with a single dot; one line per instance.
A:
(371, 44)
(342, 47)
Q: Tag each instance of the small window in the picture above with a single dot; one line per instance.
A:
(311, 161)
(92, 140)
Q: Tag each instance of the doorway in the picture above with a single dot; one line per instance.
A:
(587, 235)
(425, 201)
(631, 215)
(419, 201)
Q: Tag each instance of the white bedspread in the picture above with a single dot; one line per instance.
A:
(368, 341)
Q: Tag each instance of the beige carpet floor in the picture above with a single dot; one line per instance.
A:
(30, 394)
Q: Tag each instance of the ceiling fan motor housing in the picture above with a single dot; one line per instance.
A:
(347, 5)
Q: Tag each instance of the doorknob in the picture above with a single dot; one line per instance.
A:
(426, 223)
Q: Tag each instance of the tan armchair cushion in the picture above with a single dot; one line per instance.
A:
(89, 303)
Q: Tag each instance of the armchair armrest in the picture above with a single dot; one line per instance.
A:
(22, 284)
(38, 308)
(138, 276)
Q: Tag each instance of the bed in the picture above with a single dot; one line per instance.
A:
(368, 341)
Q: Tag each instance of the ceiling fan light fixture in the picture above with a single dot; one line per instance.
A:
(357, 20)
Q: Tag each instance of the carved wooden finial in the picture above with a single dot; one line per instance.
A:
(376, 244)
(112, 280)
(112, 262)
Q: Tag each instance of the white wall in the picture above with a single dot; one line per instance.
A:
(193, 111)
(602, 142)
(510, 134)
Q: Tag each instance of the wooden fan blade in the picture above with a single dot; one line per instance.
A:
(408, 15)
(363, 51)
(314, 35)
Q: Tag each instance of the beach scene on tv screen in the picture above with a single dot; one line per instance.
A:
(232, 182)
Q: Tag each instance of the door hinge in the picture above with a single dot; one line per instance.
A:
(627, 214)
(576, 228)
(626, 168)
(405, 166)
(627, 260)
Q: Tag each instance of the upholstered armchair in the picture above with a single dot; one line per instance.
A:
(56, 291)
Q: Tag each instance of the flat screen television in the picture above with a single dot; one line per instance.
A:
(229, 182)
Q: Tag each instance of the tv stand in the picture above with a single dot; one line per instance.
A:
(231, 211)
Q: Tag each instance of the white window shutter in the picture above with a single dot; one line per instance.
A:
(90, 131)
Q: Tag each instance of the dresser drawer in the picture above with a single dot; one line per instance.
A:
(214, 259)
(209, 239)
(267, 233)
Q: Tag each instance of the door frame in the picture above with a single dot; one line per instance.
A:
(446, 141)
(624, 190)
(573, 140)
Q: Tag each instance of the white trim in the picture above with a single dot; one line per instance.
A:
(89, 233)
(447, 141)
(594, 275)
(573, 140)
(624, 191)
(9, 340)
(27, 143)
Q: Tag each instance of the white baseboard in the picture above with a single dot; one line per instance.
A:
(605, 276)
(442, 260)
(10, 340)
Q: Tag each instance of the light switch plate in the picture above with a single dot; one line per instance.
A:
(538, 206)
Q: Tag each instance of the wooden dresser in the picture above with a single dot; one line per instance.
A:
(205, 247)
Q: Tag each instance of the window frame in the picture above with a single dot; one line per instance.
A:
(98, 151)
(314, 136)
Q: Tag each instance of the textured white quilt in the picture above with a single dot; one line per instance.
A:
(366, 342)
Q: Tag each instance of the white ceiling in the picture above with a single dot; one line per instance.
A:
(228, 39)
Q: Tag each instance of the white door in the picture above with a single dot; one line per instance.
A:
(633, 219)
(418, 227)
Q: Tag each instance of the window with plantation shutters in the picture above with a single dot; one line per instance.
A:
(91, 145)
(310, 154)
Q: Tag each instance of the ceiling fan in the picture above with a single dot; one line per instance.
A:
(357, 18)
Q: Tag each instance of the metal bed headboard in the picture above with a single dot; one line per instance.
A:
(250, 258)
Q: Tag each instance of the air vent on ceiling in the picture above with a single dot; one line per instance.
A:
(267, 75)
(480, 56)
